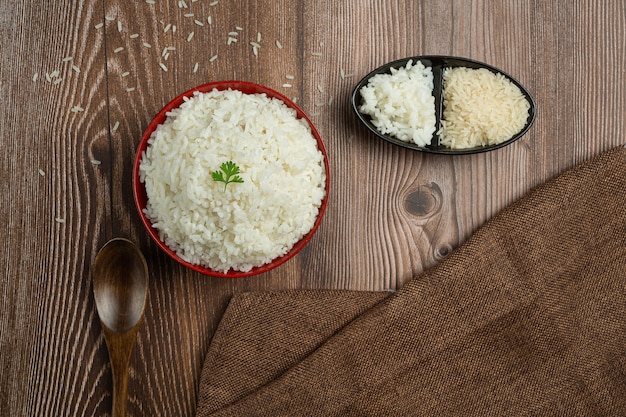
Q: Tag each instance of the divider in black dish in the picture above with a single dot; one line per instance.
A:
(438, 63)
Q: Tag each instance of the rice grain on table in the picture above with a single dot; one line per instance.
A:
(401, 103)
(163, 67)
(245, 224)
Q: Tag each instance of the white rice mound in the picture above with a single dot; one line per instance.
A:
(481, 108)
(247, 224)
(402, 103)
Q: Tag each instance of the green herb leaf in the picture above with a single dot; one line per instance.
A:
(230, 169)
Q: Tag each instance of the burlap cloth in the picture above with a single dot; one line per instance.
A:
(526, 318)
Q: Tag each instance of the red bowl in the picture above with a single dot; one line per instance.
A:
(140, 192)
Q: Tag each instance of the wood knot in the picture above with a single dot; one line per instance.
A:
(424, 201)
(441, 252)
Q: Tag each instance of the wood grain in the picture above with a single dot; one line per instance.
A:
(67, 149)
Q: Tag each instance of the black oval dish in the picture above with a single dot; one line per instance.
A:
(438, 64)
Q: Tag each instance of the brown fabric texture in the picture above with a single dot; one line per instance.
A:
(526, 318)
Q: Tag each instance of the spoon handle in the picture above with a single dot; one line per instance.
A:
(120, 346)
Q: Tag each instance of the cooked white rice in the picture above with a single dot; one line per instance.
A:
(242, 225)
(402, 103)
(480, 108)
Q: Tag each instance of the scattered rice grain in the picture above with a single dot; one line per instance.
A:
(209, 20)
(76, 69)
(195, 68)
(316, 53)
(190, 37)
(99, 26)
(119, 26)
(197, 22)
(290, 77)
(287, 85)
(68, 58)
(239, 28)
(163, 67)
(213, 58)
(233, 33)
(57, 81)
(109, 18)
(147, 45)
(35, 76)
(95, 162)
(214, 3)
(130, 89)
(150, 1)
(118, 50)
(167, 27)
(125, 74)
(115, 126)
(278, 44)
(189, 15)
(42, 173)
(59, 220)
(134, 36)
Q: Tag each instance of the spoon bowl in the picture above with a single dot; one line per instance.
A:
(120, 286)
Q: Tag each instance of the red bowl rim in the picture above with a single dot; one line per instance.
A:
(139, 192)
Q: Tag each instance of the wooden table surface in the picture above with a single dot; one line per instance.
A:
(81, 79)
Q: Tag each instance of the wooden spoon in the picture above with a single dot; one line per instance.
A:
(120, 287)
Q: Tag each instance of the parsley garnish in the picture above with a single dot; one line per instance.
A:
(230, 169)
